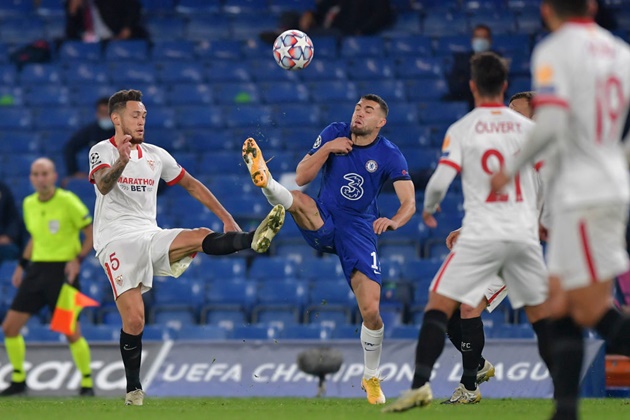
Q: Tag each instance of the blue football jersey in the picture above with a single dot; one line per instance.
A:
(351, 183)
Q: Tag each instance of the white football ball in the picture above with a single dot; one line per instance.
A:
(293, 50)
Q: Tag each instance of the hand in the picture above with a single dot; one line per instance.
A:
(231, 226)
(124, 149)
(452, 238)
(499, 180)
(543, 232)
(125, 33)
(16, 278)
(383, 223)
(339, 146)
(5, 240)
(429, 220)
(72, 270)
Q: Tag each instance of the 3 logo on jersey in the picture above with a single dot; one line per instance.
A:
(352, 191)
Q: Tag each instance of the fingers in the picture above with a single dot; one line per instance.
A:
(429, 220)
(126, 139)
(381, 225)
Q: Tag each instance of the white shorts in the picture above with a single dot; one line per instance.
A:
(471, 269)
(588, 245)
(495, 293)
(134, 260)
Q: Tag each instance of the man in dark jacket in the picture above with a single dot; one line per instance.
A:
(98, 20)
(11, 227)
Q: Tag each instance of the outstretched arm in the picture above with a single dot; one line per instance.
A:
(202, 194)
(435, 191)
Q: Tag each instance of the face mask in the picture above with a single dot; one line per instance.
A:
(105, 123)
(480, 45)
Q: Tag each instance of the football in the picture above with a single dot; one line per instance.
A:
(293, 50)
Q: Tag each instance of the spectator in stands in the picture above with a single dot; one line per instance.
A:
(99, 20)
(459, 77)
(100, 129)
(10, 226)
(338, 18)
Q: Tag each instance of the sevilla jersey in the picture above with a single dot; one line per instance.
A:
(130, 207)
(585, 69)
(478, 145)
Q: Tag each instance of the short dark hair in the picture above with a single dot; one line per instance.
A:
(119, 99)
(528, 96)
(484, 27)
(380, 101)
(102, 101)
(489, 72)
(569, 8)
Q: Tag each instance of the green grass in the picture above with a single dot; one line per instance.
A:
(289, 409)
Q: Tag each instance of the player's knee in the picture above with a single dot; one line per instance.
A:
(371, 317)
(134, 324)
(10, 330)
(202, 232)
(583, 316)
(468, 312)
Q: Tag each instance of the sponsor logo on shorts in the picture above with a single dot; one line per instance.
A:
(119, 280)
(371, 166)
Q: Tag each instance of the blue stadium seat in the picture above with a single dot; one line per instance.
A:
(519, 65)
(420, 270)
(400, 253)
(334, 91)
(8, 74)
(201, 332)
(403, 113)
(47, 95)
(80, 73)
(247, 115)
(519, 84)
(178, 292)
(132, 72)
(388, 204)
(181, 72)
(411, 45)
(173, 50)
(306, 332)
(254, 333)
(20, 31)
(362, 46)
(175, 319)
(291, 5)
(284, 92)
(224, 49)
(97, 289)
(327, 47)
(370, 68)
(501, 21)
(194, 7)
(442, 112)
(418, 68)
(19, 142)
(279, 316)
(78, 51)
(268, 71)
(405, 24)
(439, 24)
(419, 90)
(221, 269)
(332, 69)
(271, 268)
(392, 90)
(287, 292)
(330, 316)
(231, 163)
(321, 269)
(420, 159)
(158, 6)
(512, 44)
(403, 332)
(202, 28)
(40, 74)
(496, 318)
(331, 111)
(134, 50)
(100, 333)
(227, 319)
(447, 45)
(237, 7)
(41, 333)
(255, 48)
(15, 8)
(325, 293)
(408, 135)
(161, 117)
(513, 331)
(166, 28)
(236, 93)
(199, 116)
(347, 332)
(235, 293)
(89, 93)
(56, 117)
(297, 252)
(437, 250)
(390, 269)
(529, 21)
(157, 333)
(299, 115)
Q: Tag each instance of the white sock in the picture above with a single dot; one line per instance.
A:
(277, 194)
(372, 342)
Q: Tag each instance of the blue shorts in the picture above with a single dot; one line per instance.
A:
(351, 238)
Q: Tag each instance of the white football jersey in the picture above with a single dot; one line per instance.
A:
(585, 69)
(131, 206)
(478, 145)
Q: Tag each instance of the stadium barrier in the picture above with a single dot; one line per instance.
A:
(269, 369)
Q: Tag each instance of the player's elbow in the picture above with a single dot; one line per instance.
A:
(301, 179)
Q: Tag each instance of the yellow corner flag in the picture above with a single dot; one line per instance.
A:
(69, 305)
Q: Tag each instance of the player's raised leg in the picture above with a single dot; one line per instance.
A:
(368, 294)
(131, 308)
(16, 351)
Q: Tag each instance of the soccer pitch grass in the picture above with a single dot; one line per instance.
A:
(290, 409)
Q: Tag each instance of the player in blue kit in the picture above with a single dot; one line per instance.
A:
(355, 162)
